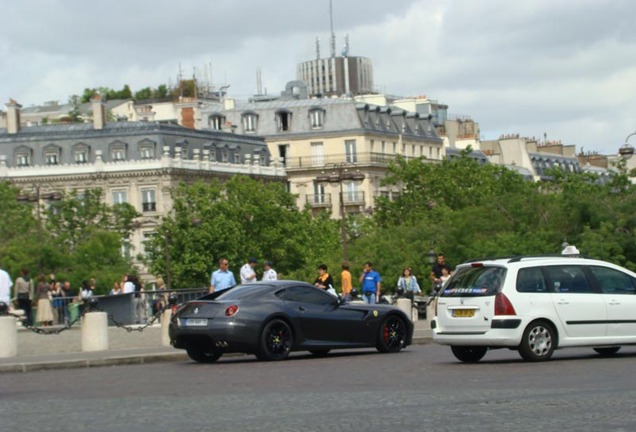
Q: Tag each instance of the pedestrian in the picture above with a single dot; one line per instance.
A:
(248, 275)
(128, 287)
(408, 283)
(436, 271)
(222, 278)
(160, 303)
(324, 280)
(269, 274)
(24, 295)
(345, 280)
(116, 290)
(57, 303)
(44, 313)
(5, 288)
(370, 281)
(86, 291)
(68, 296)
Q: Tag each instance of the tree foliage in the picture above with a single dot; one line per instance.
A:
(237, 219)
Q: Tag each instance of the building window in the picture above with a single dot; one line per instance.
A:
(118, 154)
(225, 156)
(147, 237)
(51, 158)
(317, 154)
(317, 118)
(147, 152)
(216, 122)
(250, 122)
(283, 120)
(126, 248)
(350, 151)
(22, 159)
(81, 156)
(237, 158)
(148, 200)
(119, 197)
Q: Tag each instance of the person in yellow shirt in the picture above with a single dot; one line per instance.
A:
(345, 277)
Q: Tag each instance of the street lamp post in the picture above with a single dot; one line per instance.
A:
(626, 150)
(431, 257)
(341, 173)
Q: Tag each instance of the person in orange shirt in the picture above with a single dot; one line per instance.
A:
(345, 278)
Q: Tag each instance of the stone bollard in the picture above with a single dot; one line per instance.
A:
(404, 305)
(165, 324)
(8, 336)
(95, 331)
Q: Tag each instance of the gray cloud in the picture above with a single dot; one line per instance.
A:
(566, 68)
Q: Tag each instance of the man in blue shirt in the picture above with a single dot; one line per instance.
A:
(370, 281)
(223, 278)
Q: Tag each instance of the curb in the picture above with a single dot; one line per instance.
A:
(137, 359)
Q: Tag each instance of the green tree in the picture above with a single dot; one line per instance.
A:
(237, 219)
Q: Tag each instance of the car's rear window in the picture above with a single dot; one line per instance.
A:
(475, 281)
(239, 292)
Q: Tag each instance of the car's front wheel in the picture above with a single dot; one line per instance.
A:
(469, 354)
(538, 342)
(276, 341)
(202, 356)
(392, 336)
(610, 351)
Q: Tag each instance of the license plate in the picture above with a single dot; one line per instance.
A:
(195, 322)
(463, 313)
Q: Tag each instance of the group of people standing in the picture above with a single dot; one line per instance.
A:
(223, 278)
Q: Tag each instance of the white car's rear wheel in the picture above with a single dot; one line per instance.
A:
(538, 342)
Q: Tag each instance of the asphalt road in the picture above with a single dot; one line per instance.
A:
(421, 389)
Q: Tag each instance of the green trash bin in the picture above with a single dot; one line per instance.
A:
(73, 311)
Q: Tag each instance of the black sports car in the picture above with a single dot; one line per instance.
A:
(271, 319)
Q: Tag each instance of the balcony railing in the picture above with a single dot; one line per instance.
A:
(320, 200)
(357, 159)
(353, 198)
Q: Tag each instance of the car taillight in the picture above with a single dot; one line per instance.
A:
(231, 310)
(503, 305)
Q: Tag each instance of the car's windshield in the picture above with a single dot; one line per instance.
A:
(474, 281)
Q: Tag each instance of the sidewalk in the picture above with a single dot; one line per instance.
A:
(64, 350)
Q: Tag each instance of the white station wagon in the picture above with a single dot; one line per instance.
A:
(536, 305)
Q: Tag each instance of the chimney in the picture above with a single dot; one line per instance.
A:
(99, 112)
(13, 116)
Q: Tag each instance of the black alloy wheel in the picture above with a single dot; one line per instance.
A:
(469, 354)
(276, 341)
(538, 342)
(392, 335)
(201, 355)
(607, 352)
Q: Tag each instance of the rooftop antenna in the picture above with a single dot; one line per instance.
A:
(259, 83)
(317, 48)
(333, 35)
(345, 48)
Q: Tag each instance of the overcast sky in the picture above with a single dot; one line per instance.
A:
(564, 68)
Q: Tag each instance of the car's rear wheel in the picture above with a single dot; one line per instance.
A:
(610, 351)
(201, 355)
(276, 341)
(538, 342)
(469, 354)
(319, 353)
(392, 336)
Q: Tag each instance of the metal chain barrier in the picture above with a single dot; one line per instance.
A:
(138, 328)
(48, 330)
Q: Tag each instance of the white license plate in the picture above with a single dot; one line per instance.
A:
(195, 322)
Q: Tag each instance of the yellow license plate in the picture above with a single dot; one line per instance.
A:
(463, 313)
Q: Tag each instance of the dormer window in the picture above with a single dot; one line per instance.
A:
(146, 149)
(216, 121)
(22, 159)
(283, 120)
(118, 154)
(317, 118)
(51, 158)
(250, 122)
(80, 153)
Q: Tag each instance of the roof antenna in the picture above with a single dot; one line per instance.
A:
(333, 35)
